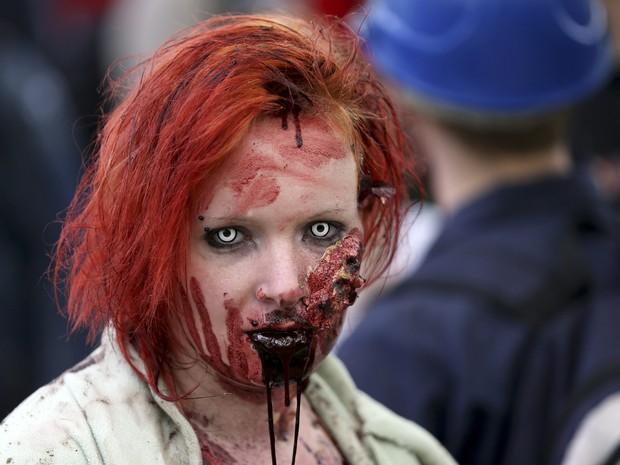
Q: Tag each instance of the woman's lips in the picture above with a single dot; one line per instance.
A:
(285, 355)
(277, 340)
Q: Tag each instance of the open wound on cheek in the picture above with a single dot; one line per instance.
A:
(288, 355)
(333, 284)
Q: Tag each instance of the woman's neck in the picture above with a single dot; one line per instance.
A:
(230, 411)
(233, 426)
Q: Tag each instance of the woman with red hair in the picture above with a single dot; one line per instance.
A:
(215, 243)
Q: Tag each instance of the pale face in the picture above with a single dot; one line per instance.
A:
(270, 217)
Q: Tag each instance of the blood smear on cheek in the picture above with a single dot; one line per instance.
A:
(214, 356)
(243, 360)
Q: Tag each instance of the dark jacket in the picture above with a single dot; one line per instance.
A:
(508, 332)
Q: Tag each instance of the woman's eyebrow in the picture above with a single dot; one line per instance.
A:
(235, 217)
(227, 219)
(336, 211)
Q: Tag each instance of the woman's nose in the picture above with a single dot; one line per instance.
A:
(282, 277)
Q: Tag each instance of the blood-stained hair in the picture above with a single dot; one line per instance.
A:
(123, 246)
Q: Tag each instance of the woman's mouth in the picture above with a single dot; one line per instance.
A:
(285, 355)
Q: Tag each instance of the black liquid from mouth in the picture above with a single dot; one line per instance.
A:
(284, 356)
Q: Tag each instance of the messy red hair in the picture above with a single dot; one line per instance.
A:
(123, 246)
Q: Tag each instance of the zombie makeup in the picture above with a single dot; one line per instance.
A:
(286, 355)
(274, 261)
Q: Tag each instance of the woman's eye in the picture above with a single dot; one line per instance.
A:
(224, 237)
(227, 235)
(324, 233)
(320, 229)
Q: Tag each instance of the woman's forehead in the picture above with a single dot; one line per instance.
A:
(269, 162)
(312, 144)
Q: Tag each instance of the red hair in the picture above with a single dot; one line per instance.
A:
(123, 246)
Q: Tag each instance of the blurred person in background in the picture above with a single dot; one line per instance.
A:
(594, 134)
(39, 162)
(504, 343)
(69, 32)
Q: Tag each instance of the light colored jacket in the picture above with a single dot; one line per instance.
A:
(101, 412)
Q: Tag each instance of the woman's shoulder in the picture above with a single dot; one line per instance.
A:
(51, 425)
(44, 428)
(100, 411)
(365, 428)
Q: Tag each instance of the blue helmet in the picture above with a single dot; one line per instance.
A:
(492, 56)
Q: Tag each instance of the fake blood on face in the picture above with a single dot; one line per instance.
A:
(284, 345)
(253, 173)
(288, 355)
(241, 366)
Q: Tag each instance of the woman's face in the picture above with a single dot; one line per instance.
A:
(272, 213)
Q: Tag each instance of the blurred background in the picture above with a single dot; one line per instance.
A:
(54, 58)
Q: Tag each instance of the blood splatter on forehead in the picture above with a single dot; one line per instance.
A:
(314, 151)
(268, 152)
